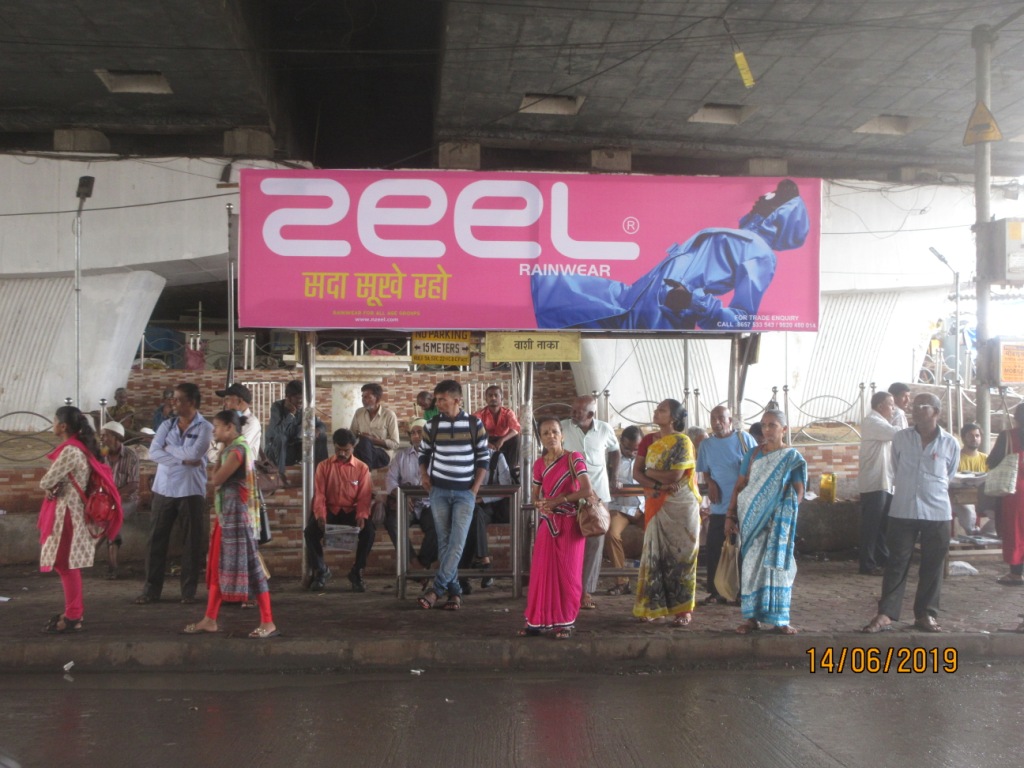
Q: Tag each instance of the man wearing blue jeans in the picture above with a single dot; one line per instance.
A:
(453, 464)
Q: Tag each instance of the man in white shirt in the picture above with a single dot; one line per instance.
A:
(597, 442)
(624, 509)
(874, 481)
(404, 471)
(925, 457)
(901, 398)
(375, 427)
(238, 398)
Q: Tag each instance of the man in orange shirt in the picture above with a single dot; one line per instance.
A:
(502, 427)
(342, 492)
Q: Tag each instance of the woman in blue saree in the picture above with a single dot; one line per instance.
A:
(763, 510)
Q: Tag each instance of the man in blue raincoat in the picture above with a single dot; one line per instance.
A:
(686, 289)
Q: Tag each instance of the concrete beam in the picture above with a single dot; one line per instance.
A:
(459, 155)
(611, 160)
(80, 140)
(767, 166)
(248, 142)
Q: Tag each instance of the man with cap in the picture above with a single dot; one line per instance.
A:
(404, 471)
(237, 397)
(124, 465)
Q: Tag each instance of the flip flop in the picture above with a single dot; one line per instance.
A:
(785, 629)
(748, 626)
(195, 629)
(682, 620)
(264, 634)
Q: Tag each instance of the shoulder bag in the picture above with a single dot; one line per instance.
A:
(592, 515)
(1002, 481)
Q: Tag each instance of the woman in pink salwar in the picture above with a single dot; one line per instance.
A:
(556, 572)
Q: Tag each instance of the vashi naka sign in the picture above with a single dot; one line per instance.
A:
(439, 250)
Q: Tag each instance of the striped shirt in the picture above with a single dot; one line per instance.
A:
(453, 449)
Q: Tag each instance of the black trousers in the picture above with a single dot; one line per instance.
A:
(874, 512)
(371, 455)
(165, 510)
(713, 548)
(428, 549)
(315, 540)
(902, 535)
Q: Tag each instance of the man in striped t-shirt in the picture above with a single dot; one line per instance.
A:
(453, 464)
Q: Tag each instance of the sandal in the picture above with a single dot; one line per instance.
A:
(587, 603)
(263, 634)
(714, 600)
(682, 620)
(748, 626)
(1011, 580)
(785, 629)
(528, 632)
(454, 603)
(881, 623)
(648, 619)
(427, 600)
(620, 589)
(248, 603)
(195, 629)
(564, 633)
(144, 600)
(61, 624)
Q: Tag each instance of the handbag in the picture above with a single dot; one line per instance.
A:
(727, 576)
(592, 514)
(265, 533)
(1002, 481)
(268, 478)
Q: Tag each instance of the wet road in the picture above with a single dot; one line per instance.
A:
(781, 717)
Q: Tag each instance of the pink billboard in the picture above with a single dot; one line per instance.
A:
(470, 250)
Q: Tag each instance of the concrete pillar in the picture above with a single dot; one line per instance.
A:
(611, 160)
(346, 397)
(459, 155)
(767, 166)
(80, 140)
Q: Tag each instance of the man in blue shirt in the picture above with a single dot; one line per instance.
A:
(719, 458)
(179, 488)
(925, 457)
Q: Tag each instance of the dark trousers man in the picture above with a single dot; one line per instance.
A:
(286, 450)
(483, 516)
(874, 513)
(713, 549)
(901, 537)
(371, 455)
(428, 549)
(315, 541)
(165, 510)
(510, 450)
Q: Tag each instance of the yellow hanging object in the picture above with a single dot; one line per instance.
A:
(744, 68)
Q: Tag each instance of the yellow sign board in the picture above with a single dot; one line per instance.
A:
(532, 347)
(982, 126)
(1011, 363)
(441, 347)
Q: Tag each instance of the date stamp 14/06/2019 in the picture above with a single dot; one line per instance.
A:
(882, 660)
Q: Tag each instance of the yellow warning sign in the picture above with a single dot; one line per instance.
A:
(982, 126)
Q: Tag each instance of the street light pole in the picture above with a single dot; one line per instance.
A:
(958, 413)
(85, 184)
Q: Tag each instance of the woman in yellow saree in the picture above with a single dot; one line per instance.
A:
(667, 583)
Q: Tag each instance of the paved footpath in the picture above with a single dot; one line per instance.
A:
(341, 630)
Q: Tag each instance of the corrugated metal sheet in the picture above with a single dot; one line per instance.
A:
(846, 350)
(30, 312)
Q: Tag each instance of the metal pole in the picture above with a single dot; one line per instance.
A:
(307, 354)
(527, 456)
(982, 37)
(956, 350)
(85, 185)
(686, 378)
(232, 265)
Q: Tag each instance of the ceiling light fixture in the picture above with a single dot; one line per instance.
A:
(133, 81)
(551, 104)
